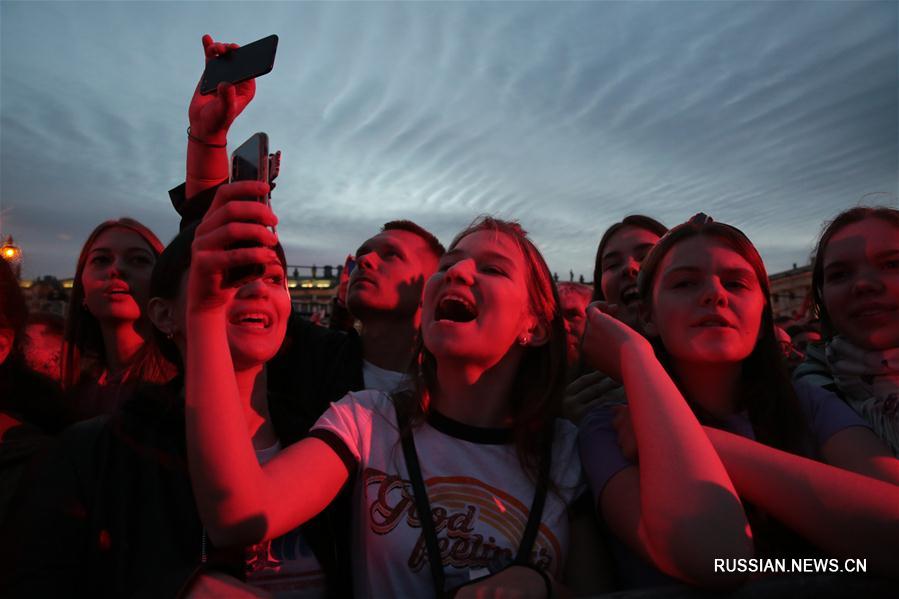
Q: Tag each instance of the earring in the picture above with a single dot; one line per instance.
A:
(169, 335)
(523, 340)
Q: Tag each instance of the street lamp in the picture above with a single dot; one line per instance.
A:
(12, 253)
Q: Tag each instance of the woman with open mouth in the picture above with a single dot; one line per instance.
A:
(477, 444)
(106, 322)
(734, 462)
(618, 256)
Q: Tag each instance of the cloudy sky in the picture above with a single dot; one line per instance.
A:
(772, 116)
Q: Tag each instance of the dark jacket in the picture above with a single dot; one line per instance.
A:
(317, 366)
(110, 510)
(31, 411)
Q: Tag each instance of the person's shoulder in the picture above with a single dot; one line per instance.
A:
(565, 429)
(825, 412)
(372, 400)
(313, 340)
(86, 428)
(79, 446)
(300, 328)
(814, 369)
(812, 395)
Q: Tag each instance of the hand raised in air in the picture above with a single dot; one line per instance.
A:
(212, 114)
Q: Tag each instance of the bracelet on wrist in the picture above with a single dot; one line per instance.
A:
(191, 137)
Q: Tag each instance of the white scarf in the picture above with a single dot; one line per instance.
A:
(869, 380)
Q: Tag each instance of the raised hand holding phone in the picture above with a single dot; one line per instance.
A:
(229, 223)
(211, 114)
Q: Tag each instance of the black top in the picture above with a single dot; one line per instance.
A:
(110, 510)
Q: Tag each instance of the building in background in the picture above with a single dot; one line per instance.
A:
(311, 291)
(791, 294)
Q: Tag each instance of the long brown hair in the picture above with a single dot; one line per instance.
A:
(83, 349)
(766, 391)
(537, 391)
(843, 219)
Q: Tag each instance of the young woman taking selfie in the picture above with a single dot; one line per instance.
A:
(477, 443)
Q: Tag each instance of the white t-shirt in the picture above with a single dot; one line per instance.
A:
(478, 492)
(382, 379)
(286, 567)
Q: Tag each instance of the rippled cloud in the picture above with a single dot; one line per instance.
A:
(772, 116)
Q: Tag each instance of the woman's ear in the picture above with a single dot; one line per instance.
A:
(537, 334)
(162, 314)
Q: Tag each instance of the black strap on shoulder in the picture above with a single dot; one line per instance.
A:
(536, 513)
(422, 505)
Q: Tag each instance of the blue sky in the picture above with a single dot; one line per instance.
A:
(772, 116)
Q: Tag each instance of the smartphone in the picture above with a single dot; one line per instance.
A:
(350, 266)
(247, 62)
(251, 162)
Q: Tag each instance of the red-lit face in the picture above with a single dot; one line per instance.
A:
(476, 305)
(116, 276)
(706, 303)
(257, 317)
(391, 269)
(43, 349)
(861, 283)
(621, 258)
(257, 313)
(574, 307)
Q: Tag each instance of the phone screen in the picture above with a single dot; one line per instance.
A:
(247, 62)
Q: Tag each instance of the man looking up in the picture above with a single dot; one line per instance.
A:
(384, 294)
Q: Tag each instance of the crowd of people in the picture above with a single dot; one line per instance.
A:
(466, 427)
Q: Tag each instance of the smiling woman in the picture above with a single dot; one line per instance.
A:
(105, 322)
(732, 459)
(618, 256)
(855, 287)
(477, 443)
